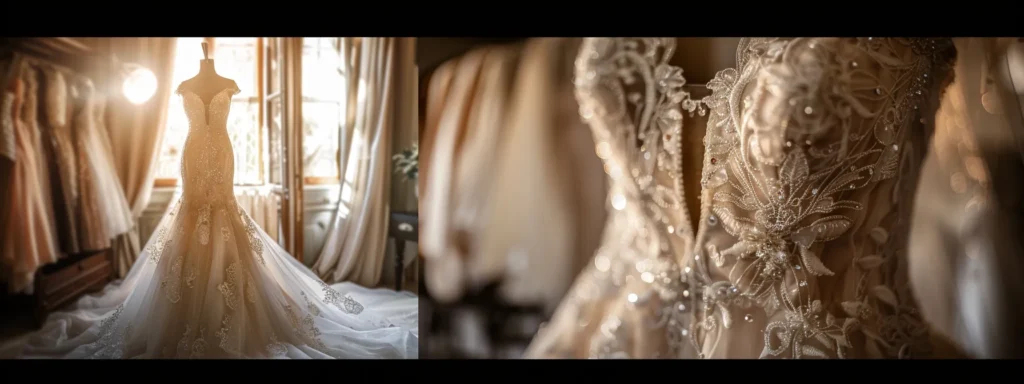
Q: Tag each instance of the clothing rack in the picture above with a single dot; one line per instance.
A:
(84, 64)
(75, 274)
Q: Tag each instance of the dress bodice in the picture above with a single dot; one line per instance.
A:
(810, 158)
(207, 162)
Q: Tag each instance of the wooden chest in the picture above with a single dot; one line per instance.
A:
(73, 276)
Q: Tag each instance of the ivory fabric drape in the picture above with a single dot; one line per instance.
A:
(356, 241)
(507, 151)
(136, 133)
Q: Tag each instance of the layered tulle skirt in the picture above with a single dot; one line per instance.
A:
(211, 284)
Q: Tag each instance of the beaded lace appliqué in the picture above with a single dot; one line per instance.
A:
(796, 136)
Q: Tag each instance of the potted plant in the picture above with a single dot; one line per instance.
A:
(407, 163)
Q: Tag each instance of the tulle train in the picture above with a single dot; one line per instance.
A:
(211, 284)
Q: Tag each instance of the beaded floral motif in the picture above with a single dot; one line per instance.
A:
(190, 276)
(797, 136)
(276, 348)
(171, 283)
(252, 232)
(307, 326)
(224, 334)
(228, 287)
(199, 345)
(345, 303)
(111, 344)
(250, 289)
(161, 240)
(191, 345)
(203, 224)
(156, 248)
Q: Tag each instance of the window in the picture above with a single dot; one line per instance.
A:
(323, 92)
(323, 95)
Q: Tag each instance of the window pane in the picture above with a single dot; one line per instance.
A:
(320, 77)
(236, 60)
(245, 140)
(275, 173)
(273, 60)
(320, 140)
(323, 88)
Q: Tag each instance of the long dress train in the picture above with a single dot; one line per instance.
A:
(211, 284)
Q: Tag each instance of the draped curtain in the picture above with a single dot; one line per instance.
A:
(136, 133)
(262, 204)
(355, 246)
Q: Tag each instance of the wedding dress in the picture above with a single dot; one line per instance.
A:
(811, 157)
(212, 284)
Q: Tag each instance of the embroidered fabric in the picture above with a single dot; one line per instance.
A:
(212, 284)
(811, 152)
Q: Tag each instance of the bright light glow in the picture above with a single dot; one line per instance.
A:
(139, 85)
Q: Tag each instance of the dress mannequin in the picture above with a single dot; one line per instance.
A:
(207, 83)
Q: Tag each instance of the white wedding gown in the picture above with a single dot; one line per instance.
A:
(212, 284)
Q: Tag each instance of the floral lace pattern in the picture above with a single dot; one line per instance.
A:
(808, 142)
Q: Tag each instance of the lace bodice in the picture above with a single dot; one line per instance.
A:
(207, 161)
(810, 154)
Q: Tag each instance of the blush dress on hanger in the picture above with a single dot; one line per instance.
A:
(30, 241)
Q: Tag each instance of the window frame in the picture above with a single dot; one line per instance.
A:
(321, 180)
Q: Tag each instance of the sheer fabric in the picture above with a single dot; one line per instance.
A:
(811, 153)
(211, 284)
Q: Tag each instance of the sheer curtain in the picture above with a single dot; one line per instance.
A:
(136, 132)
(262, 204)
(355, 246)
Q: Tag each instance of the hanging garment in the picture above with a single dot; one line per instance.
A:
(436, 198)
(58, 136)
(93, 234)
(544, 171)
(30, 241)
(96, 159)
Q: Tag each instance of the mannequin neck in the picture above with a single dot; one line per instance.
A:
(206, 67)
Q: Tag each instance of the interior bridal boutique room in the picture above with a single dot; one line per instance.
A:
(209, 198)
(721, 197)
